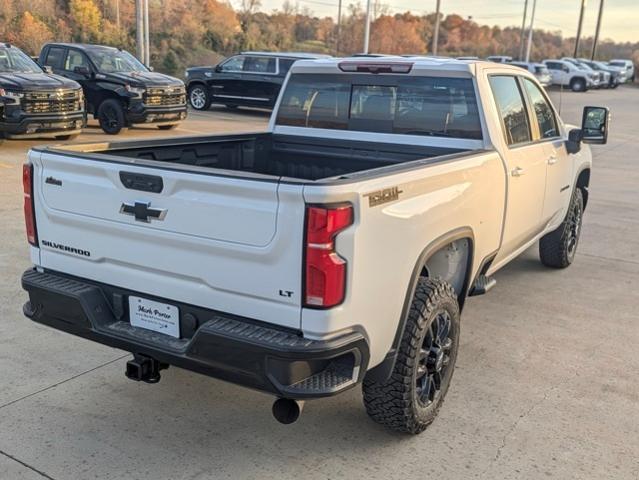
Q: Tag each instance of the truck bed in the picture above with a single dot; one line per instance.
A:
(302, 158)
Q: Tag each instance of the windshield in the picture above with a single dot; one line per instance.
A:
(13, 60)
(432, 106)
(115, 61)
(541, 69)
(617, 64)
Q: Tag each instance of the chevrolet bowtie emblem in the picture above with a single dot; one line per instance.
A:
(143, 212)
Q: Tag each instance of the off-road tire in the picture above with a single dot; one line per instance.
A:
(557, 249)
(111, 116)
(398, 403)
(578, 85)
(199, 97)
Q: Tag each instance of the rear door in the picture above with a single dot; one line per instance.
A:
(224, 243)
(526, 164)
(261, 80)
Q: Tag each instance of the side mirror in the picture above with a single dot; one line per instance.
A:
(82, 70)
(594, 125)
(151, 69)
(218, 68)
(47, 69)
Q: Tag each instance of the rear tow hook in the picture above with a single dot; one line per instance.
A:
(144, 369)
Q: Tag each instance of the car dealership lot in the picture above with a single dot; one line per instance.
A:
(545, 382)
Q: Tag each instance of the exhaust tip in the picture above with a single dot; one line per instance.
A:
(286, 410)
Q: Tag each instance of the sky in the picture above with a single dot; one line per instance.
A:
(620, 19)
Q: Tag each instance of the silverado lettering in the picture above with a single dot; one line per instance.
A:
(66, 248)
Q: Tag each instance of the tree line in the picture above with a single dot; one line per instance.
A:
(201, 32)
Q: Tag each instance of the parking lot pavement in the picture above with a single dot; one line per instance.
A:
(546, 382)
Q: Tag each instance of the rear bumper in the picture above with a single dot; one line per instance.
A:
(239, 350)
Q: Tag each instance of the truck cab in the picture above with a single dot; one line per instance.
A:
(120, 91)
(34, 103)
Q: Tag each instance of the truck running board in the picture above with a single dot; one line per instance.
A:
(482, 285)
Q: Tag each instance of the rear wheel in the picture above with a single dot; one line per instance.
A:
(199, 97)
(557, 249)
(111, 116)
(578, 85)
(410, 399)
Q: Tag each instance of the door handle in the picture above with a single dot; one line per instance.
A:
(552, 160)
(518, 172)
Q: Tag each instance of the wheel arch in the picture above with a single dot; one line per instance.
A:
(583, 182)
(383, 371)
(109, 94)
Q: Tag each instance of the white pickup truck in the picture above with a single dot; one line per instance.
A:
(335, 249)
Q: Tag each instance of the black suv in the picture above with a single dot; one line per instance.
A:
(120, 91)
(251, 79)
(34, 103)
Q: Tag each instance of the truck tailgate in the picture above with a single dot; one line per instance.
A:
(225, 243)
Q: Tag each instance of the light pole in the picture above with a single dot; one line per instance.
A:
(147, 45)
(367, 27)
(594, 43)
(436, 32)
(530, 31)
(581, 21)
(523, 31)
(139, 29)
(339, 27)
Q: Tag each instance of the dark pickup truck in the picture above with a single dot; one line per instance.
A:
(34, 103)
(120, 91)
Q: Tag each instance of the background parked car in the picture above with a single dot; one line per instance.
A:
(612, 75)
(120, 91)
(539, 70)
(500, 59)
(34, 103)
(598, 78)
(251, 79)
(627, 64)
(567, 74)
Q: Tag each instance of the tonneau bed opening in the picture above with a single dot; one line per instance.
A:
(304, 158)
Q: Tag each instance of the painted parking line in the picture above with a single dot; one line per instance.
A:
(5, 165)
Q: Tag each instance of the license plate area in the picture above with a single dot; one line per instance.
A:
(156, 316)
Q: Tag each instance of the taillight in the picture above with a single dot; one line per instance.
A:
(29, 211)
(325, 270)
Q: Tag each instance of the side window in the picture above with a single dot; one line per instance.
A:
(233, 64)
(512, 109)
(54, 57)
(260, 65)
(75, 59)
(543, 111)
(285, 65)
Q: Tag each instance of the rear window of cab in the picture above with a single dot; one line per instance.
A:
(429, 106)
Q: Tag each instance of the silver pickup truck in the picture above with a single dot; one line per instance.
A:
(337, 248)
